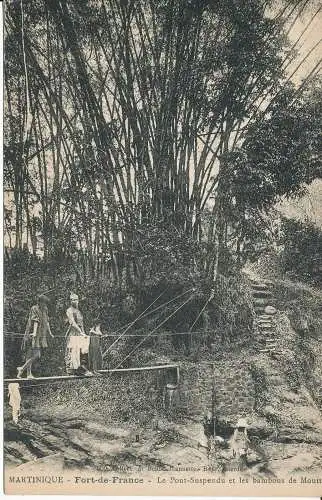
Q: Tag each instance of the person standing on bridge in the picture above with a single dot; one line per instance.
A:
(95, 360)
(36, 335)
(76, 356)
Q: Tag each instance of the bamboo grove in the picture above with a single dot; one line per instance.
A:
(126, 117)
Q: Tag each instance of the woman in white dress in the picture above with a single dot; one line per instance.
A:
(77, 341)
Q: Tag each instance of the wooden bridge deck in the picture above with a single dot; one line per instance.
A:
(103, 372)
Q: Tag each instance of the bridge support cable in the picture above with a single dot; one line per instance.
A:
(143, 314)
(211, 296)
(132, 323)
(156, 328)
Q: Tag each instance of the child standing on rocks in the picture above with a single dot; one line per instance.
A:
(240, 441)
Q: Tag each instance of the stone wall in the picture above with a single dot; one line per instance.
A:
(229, 382)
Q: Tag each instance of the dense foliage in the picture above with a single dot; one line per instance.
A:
(302, 243)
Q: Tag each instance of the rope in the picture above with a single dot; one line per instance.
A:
(13, 335)
(115, 332)
(148, 314)
(154, 310)
(133, 322)
(10, 333)
(162, 323)
(211, 296)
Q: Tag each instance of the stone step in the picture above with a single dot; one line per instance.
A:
(270, 310)
(261, 301)
(264, 317)
(263, 345)
(259, 309)
(260, 282)
(262, 293)
(260, 289)
(266, 350)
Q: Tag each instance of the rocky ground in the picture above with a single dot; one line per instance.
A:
(94, 445)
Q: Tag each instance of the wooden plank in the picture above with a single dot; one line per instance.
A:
(78, 377)
(155, 367)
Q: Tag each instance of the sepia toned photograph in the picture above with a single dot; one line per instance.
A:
(162, 247)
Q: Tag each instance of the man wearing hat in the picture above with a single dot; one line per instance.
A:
(77, 341)
(36, 334)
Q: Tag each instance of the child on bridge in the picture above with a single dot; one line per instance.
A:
(95, 359)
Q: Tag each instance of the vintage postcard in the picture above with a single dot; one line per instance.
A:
(162, 238)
